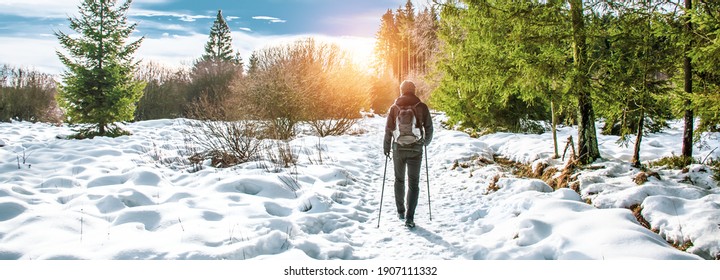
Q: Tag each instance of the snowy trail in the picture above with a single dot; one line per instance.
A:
(442, 238)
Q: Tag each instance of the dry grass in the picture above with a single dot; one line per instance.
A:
(493, 186)
(643, 177)
(680, 245)
(548, 174)
(637, 212)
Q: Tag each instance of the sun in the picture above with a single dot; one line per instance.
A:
(360, 49)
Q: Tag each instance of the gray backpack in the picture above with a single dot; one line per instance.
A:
(407, 129)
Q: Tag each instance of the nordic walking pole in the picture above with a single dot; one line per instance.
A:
(382, 193)
(427, 180)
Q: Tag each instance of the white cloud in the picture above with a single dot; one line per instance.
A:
(164, 26)
(38, 53)
(231, 18)
(38, 8)
(245, 29)
(180, 16)
(170, 50)
(65, 8)
(270, 19)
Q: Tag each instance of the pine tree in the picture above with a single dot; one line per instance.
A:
(213, 74)
(386, 45)
(219, 45)
(98, 87)
(253, 67)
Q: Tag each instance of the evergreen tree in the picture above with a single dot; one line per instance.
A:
(213, 74)
(98, 87)
(502, 62)
(588, 150)
(219, 45)
(386, 45)
(253, 67)
(705, 58)
(636, 60)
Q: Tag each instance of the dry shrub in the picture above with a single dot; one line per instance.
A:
(27, 95)
(281, 154)
(383, 92)
(493, 186)
(643, 177)
(539, 169)
(225, 143)
(567, 178)
(548, 176)
(305, 81)
(165, 93)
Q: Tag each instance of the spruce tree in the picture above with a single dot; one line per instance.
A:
(502, 62)
(705, 55)
(213, 75)
(386, 45)
(98, 88)
(588, 150)
(253, 64)
(219, 45)
(636, 60)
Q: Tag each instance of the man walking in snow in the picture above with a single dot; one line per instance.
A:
(408, 128)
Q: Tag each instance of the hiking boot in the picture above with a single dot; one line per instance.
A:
(410, 224)
(401, 216)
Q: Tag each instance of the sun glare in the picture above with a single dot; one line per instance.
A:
(360, 49)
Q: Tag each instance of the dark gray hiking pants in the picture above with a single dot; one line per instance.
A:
(409, 159)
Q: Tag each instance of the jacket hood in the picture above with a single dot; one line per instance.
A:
(407, 99)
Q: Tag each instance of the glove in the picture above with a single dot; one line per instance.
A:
(427, 142)
(387, 153)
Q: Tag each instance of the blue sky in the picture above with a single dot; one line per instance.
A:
(176, 30)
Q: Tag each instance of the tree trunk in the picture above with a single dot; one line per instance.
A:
(636, 153)
(587, 138)
(554, 126)
(687, 149)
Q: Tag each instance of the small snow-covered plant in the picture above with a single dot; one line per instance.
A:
(306, 206)
(281, 153)
(333, 127)
(22, 160)
(291, 183)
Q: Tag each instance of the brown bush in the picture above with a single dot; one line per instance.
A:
(166, 92)
(27, 95)
(305, 81)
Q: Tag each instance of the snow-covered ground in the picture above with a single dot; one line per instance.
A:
(108, 199)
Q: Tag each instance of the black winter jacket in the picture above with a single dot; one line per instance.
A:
(422, 114)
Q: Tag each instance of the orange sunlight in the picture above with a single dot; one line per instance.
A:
(359, 48)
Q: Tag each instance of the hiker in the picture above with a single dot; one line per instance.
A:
(408, 128)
